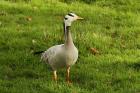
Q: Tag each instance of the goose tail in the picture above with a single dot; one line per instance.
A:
(38, 52)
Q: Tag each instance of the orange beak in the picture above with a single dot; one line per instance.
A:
(79, 18)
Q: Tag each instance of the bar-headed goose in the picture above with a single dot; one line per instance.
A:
(64, 55)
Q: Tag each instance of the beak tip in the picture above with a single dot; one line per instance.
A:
(80, 18)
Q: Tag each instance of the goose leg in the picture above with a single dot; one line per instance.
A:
(55, 75)
(68, 75)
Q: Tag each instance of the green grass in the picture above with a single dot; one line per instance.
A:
(110, 26)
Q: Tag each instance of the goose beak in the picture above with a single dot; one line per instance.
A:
(79, 18)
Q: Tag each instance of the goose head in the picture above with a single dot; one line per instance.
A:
(70, 17)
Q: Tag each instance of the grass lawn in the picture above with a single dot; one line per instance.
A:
(112, 27)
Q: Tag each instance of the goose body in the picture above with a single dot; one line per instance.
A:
(63, 55)
(59, 56)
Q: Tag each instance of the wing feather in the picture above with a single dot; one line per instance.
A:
(51, 52)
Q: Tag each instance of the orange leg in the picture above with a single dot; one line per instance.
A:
(68, 75)
(55, 75)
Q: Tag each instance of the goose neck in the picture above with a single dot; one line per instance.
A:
(68, 37)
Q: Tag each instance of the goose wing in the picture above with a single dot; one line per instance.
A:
(51, 52)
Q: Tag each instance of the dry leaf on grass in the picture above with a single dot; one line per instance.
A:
(94, 51)
(29, 18)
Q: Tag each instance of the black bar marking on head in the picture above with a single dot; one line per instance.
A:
(71, 15)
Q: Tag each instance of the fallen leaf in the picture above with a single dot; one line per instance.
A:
(123, 46)
(94, 51)
(29, 18)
